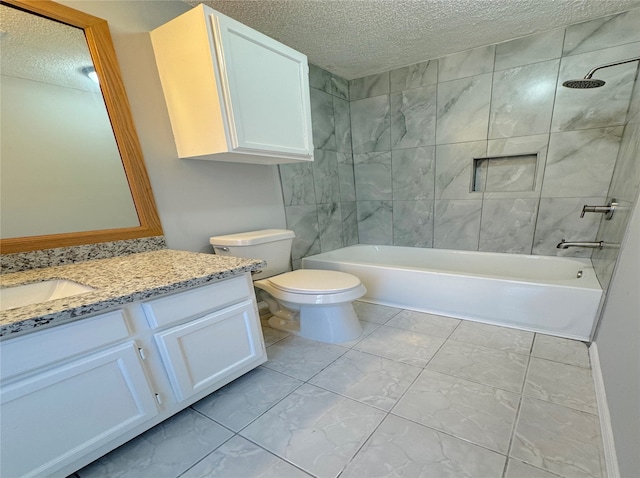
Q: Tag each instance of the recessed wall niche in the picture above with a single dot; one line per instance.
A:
(515, 173)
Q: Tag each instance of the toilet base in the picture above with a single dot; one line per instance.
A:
(333, 323)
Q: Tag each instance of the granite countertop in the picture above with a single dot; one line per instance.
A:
(118, 281)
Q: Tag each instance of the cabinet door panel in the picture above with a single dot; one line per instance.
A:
(57, 416)
(200, 353)
(265, 88)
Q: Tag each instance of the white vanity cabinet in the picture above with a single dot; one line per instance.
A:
(233, 94)
(72, 393)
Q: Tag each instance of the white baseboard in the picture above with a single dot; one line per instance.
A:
(610, 457)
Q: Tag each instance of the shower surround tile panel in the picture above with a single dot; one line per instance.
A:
(298, 185)
(319, 79)
(463, 109)
(370, 124)
(558, 439)
(466, 63)
(117, 281)
(373, 176)
(59, 256)
(400, 447)
(168, 449)
(413, 117)
(454, 169)
(241, 458)
(580, 163)
(325, 176)
(330, 226)
(560, 383)
(457, 224)
(375, 222)
(493, 367)
(522, 100)
(246, 398)
(303, 220)
(559, 218)
(339, 87)
(597, 107)
(530, 49)
(413, 173)
(318, 430)
(376, 381)
(602, 33)
(413, 223)
(346, 177)
(478, 413)
(342, 122)
(414, 76)
(349, 223)
(369, 86)
(508, 225)
(323, 124)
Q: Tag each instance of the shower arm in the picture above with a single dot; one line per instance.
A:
(615, 63)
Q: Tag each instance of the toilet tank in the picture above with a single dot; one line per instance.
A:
(270, 245)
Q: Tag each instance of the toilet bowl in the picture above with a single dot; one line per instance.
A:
(315, 304)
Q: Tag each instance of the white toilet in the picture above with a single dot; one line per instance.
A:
(315, 304)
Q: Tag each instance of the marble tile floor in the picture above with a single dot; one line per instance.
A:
(417, 395)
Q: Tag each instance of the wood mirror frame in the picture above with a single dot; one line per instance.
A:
(100, 45)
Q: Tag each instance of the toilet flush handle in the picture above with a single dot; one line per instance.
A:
(221, 248)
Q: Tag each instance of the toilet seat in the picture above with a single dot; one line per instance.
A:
(307, 281)
(308, 287)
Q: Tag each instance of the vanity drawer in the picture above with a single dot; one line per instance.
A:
(32, 351)
(198, 301)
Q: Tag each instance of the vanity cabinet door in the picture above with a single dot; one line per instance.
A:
(213, 350)
(56, 416)
(266, 89)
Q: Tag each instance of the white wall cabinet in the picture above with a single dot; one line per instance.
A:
(233, 94)
(72, 393)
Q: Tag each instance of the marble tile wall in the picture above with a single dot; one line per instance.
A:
(320, 197)
(416, 131)
(624, 188)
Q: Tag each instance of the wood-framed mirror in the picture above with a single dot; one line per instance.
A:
(102, 53)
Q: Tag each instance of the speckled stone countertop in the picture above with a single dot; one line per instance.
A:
(118, 281)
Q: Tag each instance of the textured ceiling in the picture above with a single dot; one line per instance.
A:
(355, 38)
(43, 50)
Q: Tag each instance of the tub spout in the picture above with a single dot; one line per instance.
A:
(566, 245)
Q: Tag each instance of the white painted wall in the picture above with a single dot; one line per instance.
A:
(196, 199)
(618, 342)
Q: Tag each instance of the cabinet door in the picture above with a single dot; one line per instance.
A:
(201, 353)
(57, 416)
(265, 87)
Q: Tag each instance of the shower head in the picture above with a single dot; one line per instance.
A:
(584, 83)
(587, 82)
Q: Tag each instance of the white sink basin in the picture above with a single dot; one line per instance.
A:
(27, 294)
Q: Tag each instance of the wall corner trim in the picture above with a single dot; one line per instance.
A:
(609, 449)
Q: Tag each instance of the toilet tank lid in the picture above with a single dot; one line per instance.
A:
(252, 237)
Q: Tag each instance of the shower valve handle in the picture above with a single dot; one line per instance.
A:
(609, 209)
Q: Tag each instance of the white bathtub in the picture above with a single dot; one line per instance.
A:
(535, 293)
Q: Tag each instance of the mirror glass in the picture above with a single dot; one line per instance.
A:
(60, 169)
